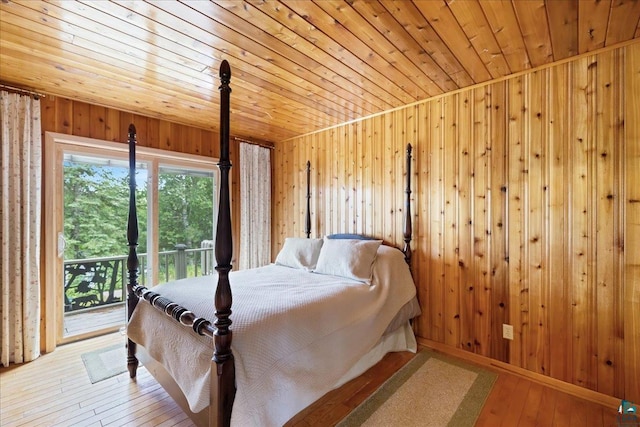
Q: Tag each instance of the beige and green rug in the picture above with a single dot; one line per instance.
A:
(105, 362)
(430, 390)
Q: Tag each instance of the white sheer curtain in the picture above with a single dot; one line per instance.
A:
(255, 202)
(20, 207)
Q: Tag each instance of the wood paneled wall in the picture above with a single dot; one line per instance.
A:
(526, 206)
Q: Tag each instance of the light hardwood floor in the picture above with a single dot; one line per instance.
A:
(55, 391)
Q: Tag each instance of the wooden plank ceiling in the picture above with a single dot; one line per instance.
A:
(298, 66)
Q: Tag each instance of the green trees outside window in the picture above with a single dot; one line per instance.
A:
(95, 216)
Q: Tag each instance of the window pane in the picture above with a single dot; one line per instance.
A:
(96, 206)
(185, 219)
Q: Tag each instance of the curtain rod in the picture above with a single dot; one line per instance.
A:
(270, 147)
(24, 91)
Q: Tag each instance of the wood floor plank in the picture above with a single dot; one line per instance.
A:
(594, 416)
(562, 414)
(516, 403)
(156, 419)
(610, 418)
(531, 408)
(495, 409)
(141, 415)
(547, 407)
(180, 417)
(578, 414)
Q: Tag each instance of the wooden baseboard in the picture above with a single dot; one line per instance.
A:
(574, 390)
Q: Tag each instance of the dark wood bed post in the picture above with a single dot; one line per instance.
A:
(224, 389)
(408, 229)
(132, 259)
(307, 223)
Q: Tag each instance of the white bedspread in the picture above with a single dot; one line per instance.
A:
(295, 333)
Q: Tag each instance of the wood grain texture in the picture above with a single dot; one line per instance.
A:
(630, 211)
(299, 66)
(526, 192)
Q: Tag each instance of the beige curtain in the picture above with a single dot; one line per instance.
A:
(255, 206)
(20, 207)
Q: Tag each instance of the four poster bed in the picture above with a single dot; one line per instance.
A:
(327, 310)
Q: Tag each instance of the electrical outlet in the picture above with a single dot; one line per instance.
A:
(507, 331)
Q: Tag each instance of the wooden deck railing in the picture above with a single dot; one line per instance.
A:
(92, 282)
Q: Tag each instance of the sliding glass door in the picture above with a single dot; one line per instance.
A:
(88, 196)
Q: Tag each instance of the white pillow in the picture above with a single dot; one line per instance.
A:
(299, 252)
(350, 258)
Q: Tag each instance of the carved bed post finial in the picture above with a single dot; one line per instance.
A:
(132, 259)
(307, 223)
(408, 229)
(223, 357)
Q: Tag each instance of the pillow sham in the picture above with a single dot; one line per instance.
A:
(349, 258)
(298, 252)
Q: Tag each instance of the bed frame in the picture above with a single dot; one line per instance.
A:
(223, 387)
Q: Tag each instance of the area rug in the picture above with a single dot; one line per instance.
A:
(430, 390)
(105, 362)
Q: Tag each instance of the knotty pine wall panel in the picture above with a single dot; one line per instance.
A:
(628, 239)
(80, 119)
(525, 206)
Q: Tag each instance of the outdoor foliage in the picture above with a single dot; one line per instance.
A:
(185, 210)
(96, 207)
(96, 201)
